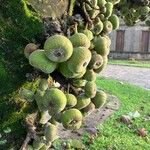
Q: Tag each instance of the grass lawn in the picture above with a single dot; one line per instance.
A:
(115, 135)
(133, 63)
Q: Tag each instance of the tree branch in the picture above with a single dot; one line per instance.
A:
(31, 133)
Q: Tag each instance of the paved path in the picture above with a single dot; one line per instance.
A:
(134, 75)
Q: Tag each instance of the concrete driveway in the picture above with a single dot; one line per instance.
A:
(134, 75)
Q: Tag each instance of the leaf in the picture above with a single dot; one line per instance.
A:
(142, 132)
(7, 130)
(2, 142)
(125, 119)
(134, 115)
(92, 130)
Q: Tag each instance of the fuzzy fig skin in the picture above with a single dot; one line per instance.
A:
(80, 40)
(58, 48)
(114, 21)
(54, 100)
(100, 99)
(38, 60)
(50, 132)
(71, 100)
(82, 102)
(79, 60)
(90, 89)
(72, 119)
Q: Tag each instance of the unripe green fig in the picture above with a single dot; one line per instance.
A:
(79, 82)
(98, 28)
(109, 9)
(26, 94)
(44, 117)
(102, 17)
(93, 13)
(96, 61)
(88, 7)
(101, 2)
(79, 60)
(39, 100)
(58, 48)
(82, 101)
(102, 46)
(144, 10)
(88, 33)
(50, 132)
(80, 39)
(90, 75)
(93, 3)
(31, 47)
(105, 61)
(43, 85)
(107, 27)
(66, 72)
(38, 60)
(103, 10)
(54, 100)
(90, 89)
(100, 99)
(71, 100)
(72, 119)
(88, 108)
(114, 21)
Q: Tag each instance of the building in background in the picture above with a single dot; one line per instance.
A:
(131, 42)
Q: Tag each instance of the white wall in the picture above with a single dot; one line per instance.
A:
(133, 37)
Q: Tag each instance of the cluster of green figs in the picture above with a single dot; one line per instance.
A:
(78, 58)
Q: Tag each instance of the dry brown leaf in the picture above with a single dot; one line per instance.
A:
(125, 119)
(142, 132)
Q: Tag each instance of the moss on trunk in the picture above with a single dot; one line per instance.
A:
(19, 25)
